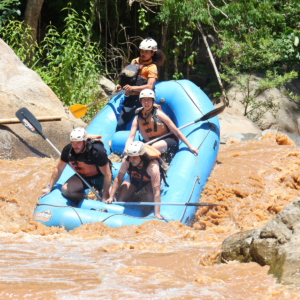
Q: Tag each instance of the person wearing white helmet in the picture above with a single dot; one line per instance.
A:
(140, 75)
(153, 123)
(143, 171)
(87, 157)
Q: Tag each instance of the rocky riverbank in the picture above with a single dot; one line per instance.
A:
(277, 243)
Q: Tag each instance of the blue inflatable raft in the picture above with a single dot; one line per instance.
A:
(183, 102)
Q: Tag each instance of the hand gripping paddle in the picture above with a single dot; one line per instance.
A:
(205, 117)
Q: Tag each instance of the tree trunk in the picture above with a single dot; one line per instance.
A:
(164, 68)
(187, 63)
(199, 27)
(176, 53)
(32, 14)
(106, 24)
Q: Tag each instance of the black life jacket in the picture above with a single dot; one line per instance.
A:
(130, 75)
(141, 176)
(85, 163)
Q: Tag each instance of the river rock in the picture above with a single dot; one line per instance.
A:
(233, 122)
(276, 244)
(107, 85)
(22, 87)
(288, 116)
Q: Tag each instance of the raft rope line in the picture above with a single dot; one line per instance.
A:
(193, 100)
(197, 178)
(133, 217)
(38, 204)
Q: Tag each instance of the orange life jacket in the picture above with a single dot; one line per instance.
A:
(85, 163)
(151, 126)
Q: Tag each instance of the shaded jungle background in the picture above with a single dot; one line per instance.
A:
(71, 43)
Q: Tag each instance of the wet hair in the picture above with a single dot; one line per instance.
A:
(145, 158)
(159, 58)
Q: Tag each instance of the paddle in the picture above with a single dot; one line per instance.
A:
(33, 125)
(153, 203)
(205, 117)
(79, 110)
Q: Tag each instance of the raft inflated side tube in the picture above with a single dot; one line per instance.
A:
(183, 102)
(119, 139)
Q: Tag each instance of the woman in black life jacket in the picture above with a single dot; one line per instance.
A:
(153, 123)
(143, 171)
(140, 75)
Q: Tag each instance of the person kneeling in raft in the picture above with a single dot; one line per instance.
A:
(153, 123)
(143, 171)
(87, 157)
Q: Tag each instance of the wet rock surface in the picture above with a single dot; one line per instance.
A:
(22, 87)
(276, 244)
(234, 122)
(287, 118)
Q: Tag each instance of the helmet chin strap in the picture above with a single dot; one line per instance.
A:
(139, 162)
(146, 111)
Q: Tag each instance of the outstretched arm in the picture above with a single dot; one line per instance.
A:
(55, 176)
(105, 170)
(163, 117)
(132, 133)
(116, 184)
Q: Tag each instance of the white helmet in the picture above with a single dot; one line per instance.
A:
(148, 44)
(78, 134)
(136, 149)
(147, 93)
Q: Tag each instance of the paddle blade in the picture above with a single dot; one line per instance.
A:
(29, 120)
(78, 110)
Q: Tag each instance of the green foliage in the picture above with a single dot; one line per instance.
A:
(17, 35)
(142, 18)
(68, 63)
(256, 107)
(71, 63)
(177, 76)
(8, 8)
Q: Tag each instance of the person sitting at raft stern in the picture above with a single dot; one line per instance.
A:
(87, 157)
(153, 123)
(143, 171)
(139, 75)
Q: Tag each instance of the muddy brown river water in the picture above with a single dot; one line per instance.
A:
(252, 181)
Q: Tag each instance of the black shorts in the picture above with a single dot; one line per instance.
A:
(95, 183)
(172, 143)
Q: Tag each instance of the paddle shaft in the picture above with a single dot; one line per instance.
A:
(210, 114)
(41, 119)
(45, 138)
(159, 204)
(106, 98)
